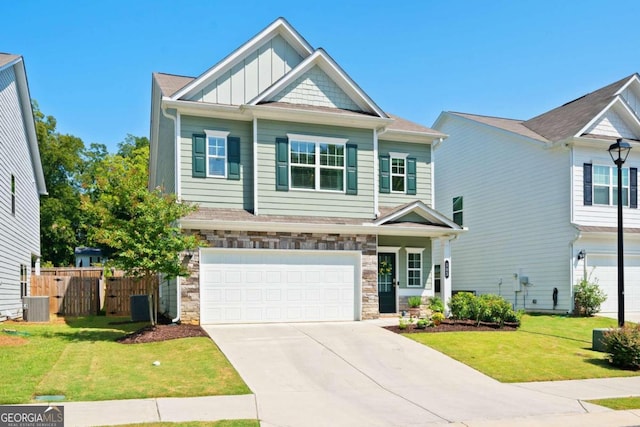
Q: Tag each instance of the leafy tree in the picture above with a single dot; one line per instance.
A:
(136, 227)
(60, 215)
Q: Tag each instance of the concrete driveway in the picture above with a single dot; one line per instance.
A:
(356, 373)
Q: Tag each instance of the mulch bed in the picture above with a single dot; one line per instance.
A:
(162, 333)
(454, 326)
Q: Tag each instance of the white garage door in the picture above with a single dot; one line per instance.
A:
(606, 271)
(252, 286)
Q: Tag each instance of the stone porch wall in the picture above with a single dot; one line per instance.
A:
(367, 244)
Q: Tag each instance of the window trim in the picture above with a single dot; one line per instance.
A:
(13, 194)
(317, 140)
(217, 134)
(24, 280)
(403, 157)
(459, 211)
(414, 251)
(437, 278)
(611, 186)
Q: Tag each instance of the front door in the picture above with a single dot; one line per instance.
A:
(387, 282)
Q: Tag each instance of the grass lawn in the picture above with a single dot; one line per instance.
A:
(544, 348)
(222, 423)
(80, 359)
(618, 403)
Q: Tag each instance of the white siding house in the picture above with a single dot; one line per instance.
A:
(21, 185)
(537, 197)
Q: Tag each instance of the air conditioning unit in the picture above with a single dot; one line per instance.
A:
(140, 308)
(36, 309)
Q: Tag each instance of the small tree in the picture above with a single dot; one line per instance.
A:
(588, 297)
(137, 228)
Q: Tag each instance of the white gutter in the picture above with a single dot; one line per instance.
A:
(174, 119)
(255, 166)
(376, 178)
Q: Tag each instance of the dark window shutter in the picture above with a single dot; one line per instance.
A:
(385, 174)
(233, 158)
(199, 156)
(633, 188)
(411, 175)
(282, 164)
(352, 169)
(587, 185)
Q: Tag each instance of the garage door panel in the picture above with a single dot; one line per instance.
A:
(277, 286)
(604, 269)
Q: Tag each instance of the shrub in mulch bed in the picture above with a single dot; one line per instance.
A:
(455, 326)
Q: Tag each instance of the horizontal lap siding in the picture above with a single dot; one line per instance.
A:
(19, 234)
(314, 203)
(217, 192)
(422, 154)
(600, 215)
(516, 197)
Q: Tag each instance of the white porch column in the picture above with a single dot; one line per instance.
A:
(446, 274)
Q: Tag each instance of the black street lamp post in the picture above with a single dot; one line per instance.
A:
(619, 152)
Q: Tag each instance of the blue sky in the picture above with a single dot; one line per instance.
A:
(89, 63)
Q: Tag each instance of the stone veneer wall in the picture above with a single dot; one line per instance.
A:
(367, 244)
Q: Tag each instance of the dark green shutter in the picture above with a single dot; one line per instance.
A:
(587, 184)
(282, 164)
(199, 156)
(352, 169)
(633, 188)
(411, 175)
(385, 174)
(233, 158)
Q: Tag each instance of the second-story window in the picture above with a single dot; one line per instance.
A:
(13, 195)
(457, 210)
(317, 163)
(398, 169)
(216, 153)
(605, 185)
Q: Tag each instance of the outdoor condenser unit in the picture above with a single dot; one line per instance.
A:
(36, 309)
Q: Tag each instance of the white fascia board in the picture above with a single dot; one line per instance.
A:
(279, 26)
(203, 109)
(619, 102)
(635, 121)
(409, 136)
(192, 224)
(331, 68)
(424, 211)
(626, 85)
(30, 124)
(266, 111)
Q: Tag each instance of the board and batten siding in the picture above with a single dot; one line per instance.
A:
(166, 166)
(516, 205)
(306, 202)
(251, 76)
(19, 233)
(217, 192)
(599, 215)
(422, 153)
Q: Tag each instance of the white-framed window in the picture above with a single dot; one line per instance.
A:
(437, 283)
(457, 210)
(13, 195)
(414, 268)
(317, 163)
(23, 280)
(216, 153)
(605, 185)
(398, 172)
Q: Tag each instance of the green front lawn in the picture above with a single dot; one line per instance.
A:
(544, 348)
(618, 403)
(81, 360)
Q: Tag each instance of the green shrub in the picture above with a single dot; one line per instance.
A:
(435, 304)
(414, 301)
(485, 308)
(403, 323)
(623, 346)
(588, 297)
(437, 318)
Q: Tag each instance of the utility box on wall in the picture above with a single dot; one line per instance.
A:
(36, 309)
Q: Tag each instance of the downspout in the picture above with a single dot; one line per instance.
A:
(176, 121)
(176, 156)
(255, 165)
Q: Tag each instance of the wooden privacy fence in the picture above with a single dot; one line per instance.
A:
(96, 272)
(68, 295)
(119, 291)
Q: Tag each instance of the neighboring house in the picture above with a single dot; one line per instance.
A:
(88, 257)
(314, 204)
(21, 185)
(539, 199)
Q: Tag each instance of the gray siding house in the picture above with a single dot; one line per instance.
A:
(313, 202)
(21, 185)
